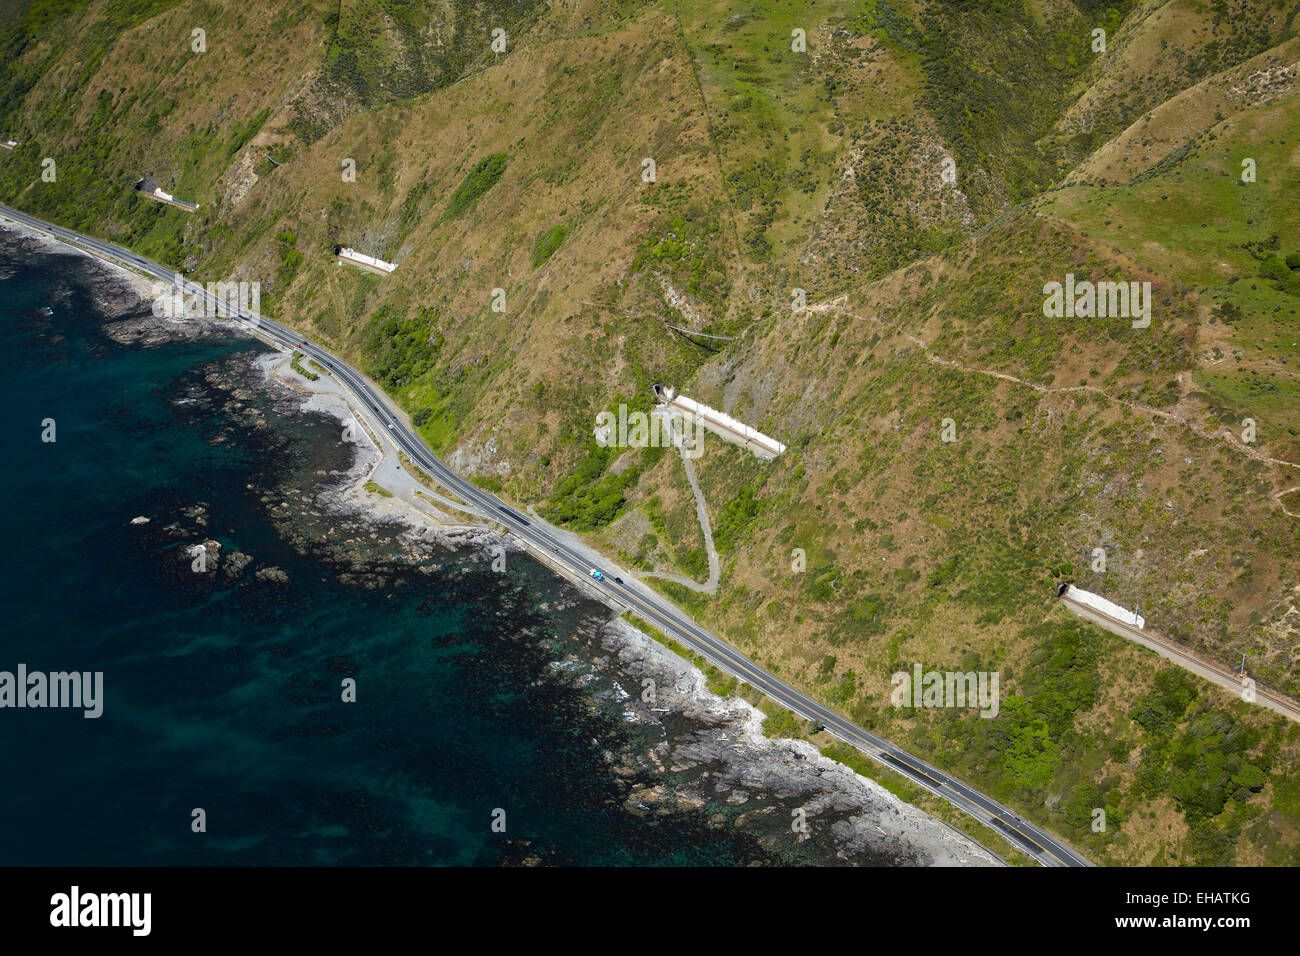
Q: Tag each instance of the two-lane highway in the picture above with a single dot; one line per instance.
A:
(649, 605)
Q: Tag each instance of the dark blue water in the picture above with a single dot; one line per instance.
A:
(226, 695)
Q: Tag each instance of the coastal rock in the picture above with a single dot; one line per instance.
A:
(198, 513)
(204, 557)
(233, 566)
(140, 326)
(272, 575)
(191, 567)
(852, 819)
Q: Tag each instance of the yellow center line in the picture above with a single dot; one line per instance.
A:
(761, 682)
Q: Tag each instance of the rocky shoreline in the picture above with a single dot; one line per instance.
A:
(717, 758)
(115, 290)
(687, 751)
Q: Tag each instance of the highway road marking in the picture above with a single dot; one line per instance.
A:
(713, 649)
(923, 773)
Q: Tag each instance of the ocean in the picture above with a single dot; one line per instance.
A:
(225, 738)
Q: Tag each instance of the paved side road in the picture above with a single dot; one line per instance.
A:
(640, 600)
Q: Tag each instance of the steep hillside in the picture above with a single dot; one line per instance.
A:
(921, 170)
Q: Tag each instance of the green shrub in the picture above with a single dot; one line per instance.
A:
(1209, 766)
(587, 498)
(738, 515)
(290, 260)
(1275, 267)
(479, 180)
(544, 245)
(822, 583)
(1161, 710)
(781, 724)
(402, 349)
(297, 366)
(944, 573)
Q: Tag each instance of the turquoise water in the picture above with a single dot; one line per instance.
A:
(228, 699)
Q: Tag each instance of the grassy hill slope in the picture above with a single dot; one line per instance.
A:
(920, 170)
